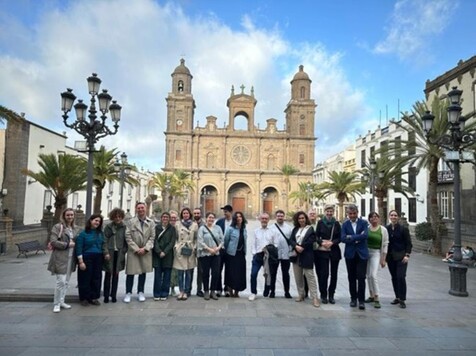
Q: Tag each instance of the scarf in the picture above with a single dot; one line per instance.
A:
(328, 223)
(187, 223)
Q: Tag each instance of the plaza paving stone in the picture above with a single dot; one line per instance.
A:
(434, 323)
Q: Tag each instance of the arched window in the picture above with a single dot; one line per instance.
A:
(180, 86)
(302, 129)
(303, 92)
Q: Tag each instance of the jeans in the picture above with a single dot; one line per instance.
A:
(161, 281)
(256, 265)
(356, 269)
(130, 283)
(185, 280)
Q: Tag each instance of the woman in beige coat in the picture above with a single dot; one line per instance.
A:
(62, 261)
(184, 263)
(140, 235)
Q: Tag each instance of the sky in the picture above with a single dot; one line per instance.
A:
(368, 60)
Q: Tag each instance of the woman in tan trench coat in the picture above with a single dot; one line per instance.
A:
(184, 264)
(62, 261)
(140, 235)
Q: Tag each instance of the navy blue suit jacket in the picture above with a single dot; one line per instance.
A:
(355, 242)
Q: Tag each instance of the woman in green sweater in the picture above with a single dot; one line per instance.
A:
(377, 243)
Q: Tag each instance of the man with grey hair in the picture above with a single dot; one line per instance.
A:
(354, 235)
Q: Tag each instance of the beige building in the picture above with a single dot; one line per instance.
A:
(241, 167)
(462, 76)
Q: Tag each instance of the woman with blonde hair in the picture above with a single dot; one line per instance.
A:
(62, 261)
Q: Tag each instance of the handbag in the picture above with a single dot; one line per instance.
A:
(327, 249)
(186, 251)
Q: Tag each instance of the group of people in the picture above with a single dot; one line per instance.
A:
(182, 242)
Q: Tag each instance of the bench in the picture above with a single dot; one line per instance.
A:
(29, 246)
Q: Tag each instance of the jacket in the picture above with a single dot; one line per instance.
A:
(232, 237)
(59, 259)
(164, 242)
(185, 237)
(205, 239)
(305, 259)
(399, 242)
(323, 232)
(115, 241)
(138, 236)
(355, 242)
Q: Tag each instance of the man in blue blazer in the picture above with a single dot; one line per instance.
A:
(354, 234)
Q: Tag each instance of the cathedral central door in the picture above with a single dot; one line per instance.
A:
(238, 204)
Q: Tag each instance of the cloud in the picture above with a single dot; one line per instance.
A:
(135, 46)
(412, 25)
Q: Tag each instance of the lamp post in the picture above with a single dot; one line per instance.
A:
(454, 144)
(167, 191)
(93, 129)
(308, 194)
(204, 195)
(263, 197)
(122, 167)
(373, 166)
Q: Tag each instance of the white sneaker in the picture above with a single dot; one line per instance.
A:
(56, 308)
(252, 297)
(157, 298)
(65, 306)
(127, 298)
(141, 297)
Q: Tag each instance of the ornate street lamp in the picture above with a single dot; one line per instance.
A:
(454, 144)
(90, 127)
(263, 197)
(373, 166)
(122, 167)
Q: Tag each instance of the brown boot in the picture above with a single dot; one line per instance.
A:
(316, 302)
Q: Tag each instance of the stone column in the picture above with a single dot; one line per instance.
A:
(6, 234)
(79, 217)
(48, 220)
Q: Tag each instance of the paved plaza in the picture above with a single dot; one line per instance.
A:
(434, 322)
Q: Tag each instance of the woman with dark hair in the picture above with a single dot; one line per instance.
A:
(302, 240)
(91, 250)
(185, 250)
(235, 247)
(399, 250)
(377, 243)
(163, 256)
(62, 261)
(115, 234)
(328, 253)
(209, 243)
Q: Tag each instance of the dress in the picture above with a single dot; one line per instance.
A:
(235, 268)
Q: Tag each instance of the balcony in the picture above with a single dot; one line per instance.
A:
(445, 176)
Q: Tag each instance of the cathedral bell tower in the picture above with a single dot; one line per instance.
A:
(180, 114)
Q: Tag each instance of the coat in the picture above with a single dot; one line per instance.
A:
(164, 242)
(305, 259)
(139, 237)
(399, 242)
(323, 232)
(355, 242)
(59, 239)
(186, 237)
(115, 240)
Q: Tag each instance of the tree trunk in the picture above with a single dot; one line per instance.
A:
(341, 210)
(435, 219)
(97, 201)
(60, 205)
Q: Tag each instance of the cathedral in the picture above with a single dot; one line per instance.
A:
(240, 167)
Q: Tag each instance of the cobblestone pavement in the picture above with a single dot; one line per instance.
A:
(434, 322)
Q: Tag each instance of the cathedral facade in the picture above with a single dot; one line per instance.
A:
(240, 167)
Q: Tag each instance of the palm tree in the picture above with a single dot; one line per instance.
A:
(181, 183)
(344, 185)
(287, 171)
(8, 115)
(389, 178)
(422, 153)
(162, 182)
(64, 175)
(104, 171)
(306, 192)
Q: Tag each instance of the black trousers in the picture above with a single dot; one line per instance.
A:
(322, 271)
(113, 276)
(89, 280)
(130, 283)
(210, 265)
(398, 271)
(285, 265)
(356, 271)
